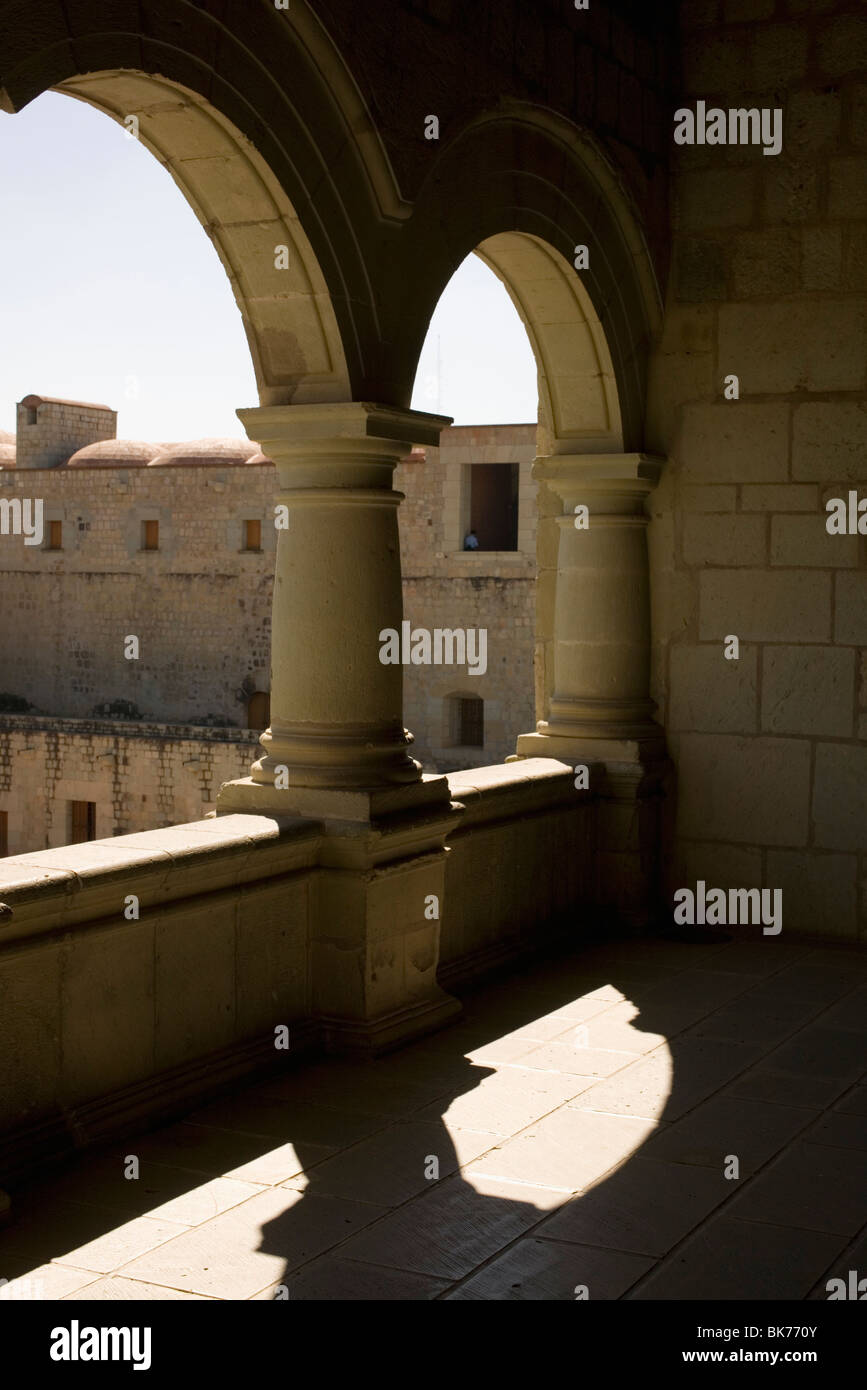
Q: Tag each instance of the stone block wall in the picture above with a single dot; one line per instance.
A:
(139, 776)
(200, 607)
(49, 431)
(768, 284)
(445, 586)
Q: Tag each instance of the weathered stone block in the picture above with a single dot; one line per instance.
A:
(847, 188)
(783, 497)
(748, 790)
(828, 441)
(765, 606)
(808, 690)
(766, 263)
(716, 198)
(708, 499)
(819, 891)
(803, 541)
(840, 796)
(850, 608)
(724, 540)
(819, 345)
(734, 441)
(710, 694)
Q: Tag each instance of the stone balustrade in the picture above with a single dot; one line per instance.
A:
(142, 973)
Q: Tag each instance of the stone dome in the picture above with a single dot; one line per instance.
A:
(201, 452)
(260, 459)
(7, 449)
(114, 453)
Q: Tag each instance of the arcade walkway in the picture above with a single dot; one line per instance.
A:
(580, 1116)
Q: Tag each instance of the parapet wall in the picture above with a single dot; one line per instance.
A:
(142, 973)
(138, 776)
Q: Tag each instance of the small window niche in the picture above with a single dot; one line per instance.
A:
(150, 535)
(466, 721)
(259, 711)
(252, 535)
(54, 536)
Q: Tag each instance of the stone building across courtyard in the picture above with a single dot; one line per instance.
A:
(173, 544)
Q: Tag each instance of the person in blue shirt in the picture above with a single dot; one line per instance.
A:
(471, 540)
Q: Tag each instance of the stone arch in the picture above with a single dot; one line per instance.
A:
(257, 118)
(288, 316)
(578, 397)
(522, 188)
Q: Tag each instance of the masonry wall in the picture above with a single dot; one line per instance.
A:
(445, 586)
(139, 777)
(769, 283)
(200, 607)
(60, 428)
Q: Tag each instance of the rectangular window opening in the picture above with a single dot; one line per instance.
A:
(150, 535)
(252, 535)
(82, 821)
(55, 535)
(467, 722)
(493, 506)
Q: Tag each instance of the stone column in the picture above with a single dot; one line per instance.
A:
(600, 711)
(337, 752)
(336, 710)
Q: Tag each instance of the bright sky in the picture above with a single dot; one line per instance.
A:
(111, 292)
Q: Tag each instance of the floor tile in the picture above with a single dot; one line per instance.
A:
(390, 1167)
(338, 1280)
(810, 1186)
(645, 1207)
(575, 1059)
(536, 1270)
(509, 1101)
(116, 1289)
(252, 1246)
(841, 1131)
(751, 1130)
(729, 1260)
(567, 1150)
(37, 1282)
(452, 1229)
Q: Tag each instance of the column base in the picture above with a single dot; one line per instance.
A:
(376, 903)
(344, 805)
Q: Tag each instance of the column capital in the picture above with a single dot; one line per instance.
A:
(565, 472)
(281, 429)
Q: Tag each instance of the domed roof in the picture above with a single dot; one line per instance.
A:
(114, 453)
(202, 452)
(260, 459)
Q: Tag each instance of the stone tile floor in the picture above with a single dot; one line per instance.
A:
(572, 1129)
